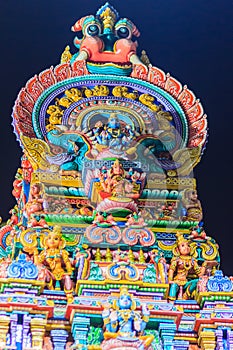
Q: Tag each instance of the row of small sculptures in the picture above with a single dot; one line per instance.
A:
(37, 205)
(57, 270)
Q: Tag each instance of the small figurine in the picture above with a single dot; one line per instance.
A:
(192, 206)
(115, 184)
(123, 323)
(35, 201)
(104, 220)
(53, 257)
(198, 232)
(135, 220)
(181, 265)
(167, 211)
(34, 207)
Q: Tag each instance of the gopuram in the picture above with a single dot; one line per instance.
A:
(106, 246)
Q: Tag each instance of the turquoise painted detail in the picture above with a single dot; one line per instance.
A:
(109, 69)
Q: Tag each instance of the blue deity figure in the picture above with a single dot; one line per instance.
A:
(123, 322)
(113, 134)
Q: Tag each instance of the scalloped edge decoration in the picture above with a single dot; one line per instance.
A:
(27, 97)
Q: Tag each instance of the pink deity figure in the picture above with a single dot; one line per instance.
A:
(18, 184)
(102, 219)
(115, 183)
(192, 205)
(51, 262)
(34, 207)
(27, 169)
(14, 219)
(4, 263)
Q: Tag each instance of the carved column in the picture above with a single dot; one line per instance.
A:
(26, 329)
(230, 339)
(59, 337)
(80, 327)
(4, 327)
(207, 340)
(219, 335)
(38, 331)
(167, 333)
(13, 326)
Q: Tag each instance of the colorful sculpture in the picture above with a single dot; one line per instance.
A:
(52, 258)
(182, 264)
(106, 202)
(125, 325)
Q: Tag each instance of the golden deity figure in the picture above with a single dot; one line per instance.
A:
(183, 264)
(192, 205)
(53, 257)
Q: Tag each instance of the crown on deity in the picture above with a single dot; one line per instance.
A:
(57, 230)
(181, 239)
(124, 291)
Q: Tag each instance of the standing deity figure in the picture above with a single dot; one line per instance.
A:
(192, 206)
(124, 326)
(53, 258)
(183, 264)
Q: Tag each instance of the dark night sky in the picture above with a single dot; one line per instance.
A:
(192, 40)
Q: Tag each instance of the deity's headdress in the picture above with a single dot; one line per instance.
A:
(180, 240)
(124, 291)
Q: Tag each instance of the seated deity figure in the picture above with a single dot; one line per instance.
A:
(115, 183)
(35, 207)
(115, 189)
(124, 327)
(51, 261)
(192, 206)
(113, 134)
(35, 201)
(183, 264)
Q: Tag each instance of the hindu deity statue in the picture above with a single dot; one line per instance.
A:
(124, 326)
(115, 183)
(192, 206)
(114, 135)
(52, 260)
(34, 207)
(183, 264)
(116, 190)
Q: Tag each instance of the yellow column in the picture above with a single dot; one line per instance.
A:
(207, 340)
(38, 330)
(4, 327)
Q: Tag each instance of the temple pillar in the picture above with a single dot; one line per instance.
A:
(13, 328)
(80, 327)
(230, 339)
(4, 328)
(207, 340)
(38, 331)
(219, 339)
(167, 333)
(26, 329)
(59, 337)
